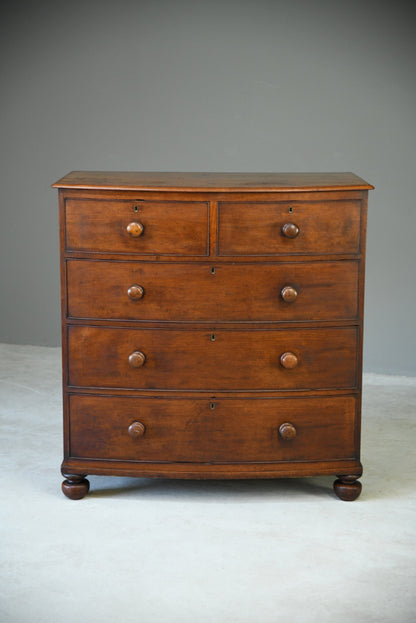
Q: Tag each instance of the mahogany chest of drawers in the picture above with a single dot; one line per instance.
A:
(212, 325)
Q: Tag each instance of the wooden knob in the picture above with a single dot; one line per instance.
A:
(135, 229)
(288, 294)
(287, 431)
(136, 429)
(135, 292)
(289, 360)
(137, 359)
(290, 230)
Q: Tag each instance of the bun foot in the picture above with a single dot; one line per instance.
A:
(347, 488)
(75, 487)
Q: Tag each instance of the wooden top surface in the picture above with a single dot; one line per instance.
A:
(173, 181)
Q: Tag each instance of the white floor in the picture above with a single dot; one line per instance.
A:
(153, 551)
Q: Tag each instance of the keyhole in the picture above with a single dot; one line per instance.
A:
(212, 406)
(136, 208)
(212, 337)
(290, 209)
(213, 270)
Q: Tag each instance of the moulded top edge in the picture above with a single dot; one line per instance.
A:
(215, 182)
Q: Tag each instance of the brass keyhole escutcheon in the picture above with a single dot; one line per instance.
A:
(212, 337)
(137, 207)
(290, 210)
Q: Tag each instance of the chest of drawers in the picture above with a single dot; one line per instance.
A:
(212, 325)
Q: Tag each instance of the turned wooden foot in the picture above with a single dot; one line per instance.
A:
(347, 488)
(75, 487)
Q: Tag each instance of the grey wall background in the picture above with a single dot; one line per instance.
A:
(231, 85)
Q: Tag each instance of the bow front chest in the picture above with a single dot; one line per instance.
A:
(212, 325)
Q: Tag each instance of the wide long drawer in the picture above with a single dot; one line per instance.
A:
(221, 292)
(294, 228)
(287, 359)
(223, 430)
(137, 227)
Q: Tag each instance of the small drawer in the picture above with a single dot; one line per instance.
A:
(218, 430)
(289, 291)
(292, 228)
(234, 360)
(137, 227)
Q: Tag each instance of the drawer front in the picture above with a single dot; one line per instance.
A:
(224, 430)
(166, 227)
(287, 359)
(200, 292)
(319, 228)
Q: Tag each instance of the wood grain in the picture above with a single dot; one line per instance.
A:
(189, 430)
(171, 227)
(256, 228)
(236, 360)
(181, 292)
(185, 181)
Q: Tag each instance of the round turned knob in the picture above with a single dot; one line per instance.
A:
(135, 229)
(287, 431)
(136, 429)
(288, 294)
(137, 359)
(135, 292)
(289, 360)
(290, 230)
